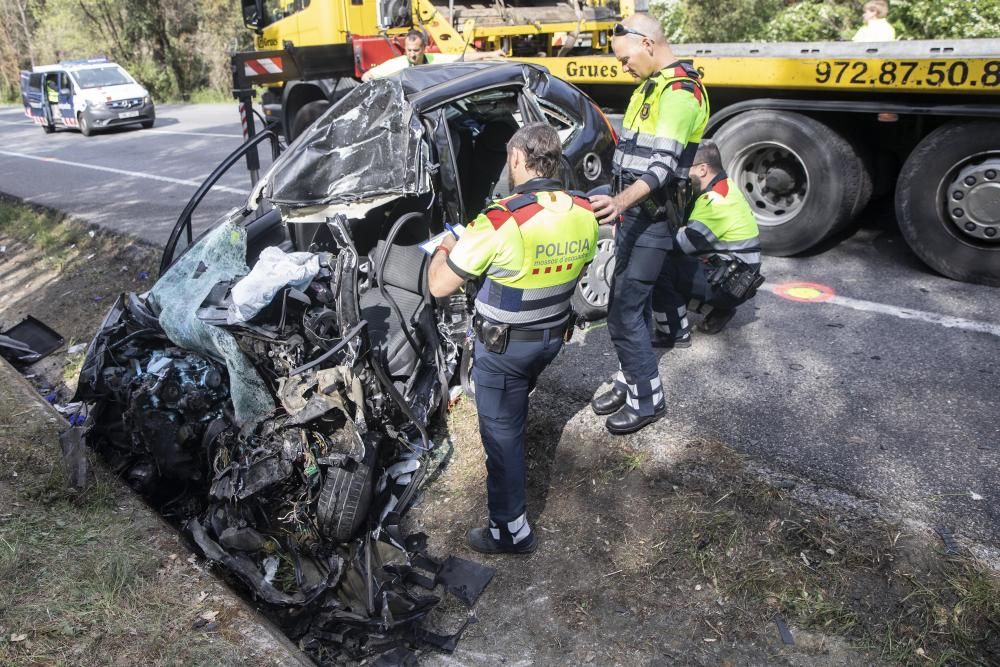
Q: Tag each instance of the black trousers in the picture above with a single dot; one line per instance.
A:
(641, 249)
(503, 382)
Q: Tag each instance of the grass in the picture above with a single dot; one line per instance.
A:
(85, 581)
(209, 96)
(50, 232)
(887, 591)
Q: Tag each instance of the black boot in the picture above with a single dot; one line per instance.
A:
(480, 539)
(628, 420)
(669, 342)
(716, 321)
(609, 402)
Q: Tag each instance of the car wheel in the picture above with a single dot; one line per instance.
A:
(803, 180)
(346, 497)
(85, 128)
(148, 124)
(48, 129)
(948, 201)
(590, 300)
(306, 116)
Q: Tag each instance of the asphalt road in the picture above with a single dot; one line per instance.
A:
(890, 391)
(128, 179)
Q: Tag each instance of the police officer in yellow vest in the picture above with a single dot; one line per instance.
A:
(529, 251)
(663, 124)
(719, 238)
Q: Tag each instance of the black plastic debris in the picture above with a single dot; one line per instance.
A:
(784, 630)
(951, 546)
(397, 657)
(465, 579)
(28, 341)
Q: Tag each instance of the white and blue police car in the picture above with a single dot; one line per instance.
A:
(89, 94)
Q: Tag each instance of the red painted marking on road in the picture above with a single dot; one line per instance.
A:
(804, 292)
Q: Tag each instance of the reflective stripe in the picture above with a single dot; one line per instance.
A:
(511, 305)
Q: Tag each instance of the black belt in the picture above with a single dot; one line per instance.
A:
(534, 335)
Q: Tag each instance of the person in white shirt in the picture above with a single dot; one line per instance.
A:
(877, 27)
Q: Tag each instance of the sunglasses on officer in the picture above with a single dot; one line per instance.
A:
(620, 30)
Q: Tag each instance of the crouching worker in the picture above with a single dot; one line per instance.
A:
(526, 252)
(720, 264)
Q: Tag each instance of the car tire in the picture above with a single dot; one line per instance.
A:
(48, 129)
(949, 182)
(590, 299)
(803, 180)
(85, 127)
(148, 124)
(346, 497)
(306, 116)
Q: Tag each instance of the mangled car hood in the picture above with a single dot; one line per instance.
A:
(368, 144)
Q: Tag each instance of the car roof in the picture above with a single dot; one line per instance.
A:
(74, 66)
(426, 85)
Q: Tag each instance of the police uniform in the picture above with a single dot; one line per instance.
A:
(721, 226)
(663, 124)
(530, 249)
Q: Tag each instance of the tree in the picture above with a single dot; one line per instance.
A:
(813, 21)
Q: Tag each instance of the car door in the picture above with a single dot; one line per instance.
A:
(35, 98)
(65, 88)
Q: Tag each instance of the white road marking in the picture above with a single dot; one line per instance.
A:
(123, 172)
(907, 313)
(193, 134)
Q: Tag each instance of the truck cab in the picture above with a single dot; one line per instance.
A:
(89, 95)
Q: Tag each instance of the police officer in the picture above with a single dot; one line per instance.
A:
(663, 124)
(721, 230)
(530, 249)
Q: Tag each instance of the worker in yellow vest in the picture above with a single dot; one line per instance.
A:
(528, 252)
(415, 53)
(662, 126)
(717, 249)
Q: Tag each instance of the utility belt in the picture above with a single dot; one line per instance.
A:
(495, 336)
(733, 281)
(668, 203)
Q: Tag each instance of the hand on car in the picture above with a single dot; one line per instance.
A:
(607, 210)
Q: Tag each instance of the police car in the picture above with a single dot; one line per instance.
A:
(87, 94)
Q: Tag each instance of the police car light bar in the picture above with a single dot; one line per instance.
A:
(89, 61)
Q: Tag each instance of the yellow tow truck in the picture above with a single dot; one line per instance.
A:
(810, 131)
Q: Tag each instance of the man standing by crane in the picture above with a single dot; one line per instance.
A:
(663, 124)
(415, 53)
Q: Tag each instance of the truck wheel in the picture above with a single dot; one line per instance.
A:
(84, 123)
(346, 497)
(802, 179)
(948, 201)
(590, 300)
(306, 116)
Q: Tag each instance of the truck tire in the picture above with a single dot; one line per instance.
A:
(803, 180)
(346, 497)
(590, 299)
(85, 127)
(306, 116)
(948, 201)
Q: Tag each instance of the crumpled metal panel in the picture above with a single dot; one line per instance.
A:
(368, 144)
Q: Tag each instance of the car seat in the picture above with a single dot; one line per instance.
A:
(403, 269)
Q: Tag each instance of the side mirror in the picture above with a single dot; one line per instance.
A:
(254, 14)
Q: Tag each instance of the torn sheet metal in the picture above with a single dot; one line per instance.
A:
(368, 144)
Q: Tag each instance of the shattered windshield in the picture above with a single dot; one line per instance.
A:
(370, 143)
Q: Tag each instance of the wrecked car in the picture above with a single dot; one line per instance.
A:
(274, 392)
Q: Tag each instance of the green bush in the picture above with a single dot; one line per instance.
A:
(813, 21)
(955, 19)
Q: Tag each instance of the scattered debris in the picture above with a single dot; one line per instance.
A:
(28, 341)
(951, 546)
(786, 634)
